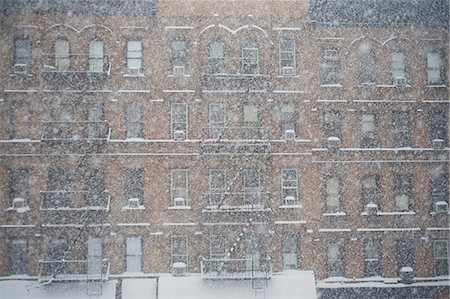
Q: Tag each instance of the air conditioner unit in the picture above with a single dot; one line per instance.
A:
(400, 81)
(441, 207)
(179, 135)
(438, 143)
(289, 200)
(179, 201)
(371, 209)
(135, 71)
(331, 53)
(179, 269)
(20, 68)
(333, 143)
(19, 203)
(133, 203)
(406, 275)
(178, 70)
(287, 71)
(289, 134)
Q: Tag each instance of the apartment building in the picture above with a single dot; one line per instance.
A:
(235, 140)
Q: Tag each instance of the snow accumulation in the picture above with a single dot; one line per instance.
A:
(290, 284)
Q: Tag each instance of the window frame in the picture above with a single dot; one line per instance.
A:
(401, 68)
(250, 66)
(134, 185)
(329, 209)
(96, 62)
(17, 261)
(286, 188)
(338, 262)
(439, 68)
(138, 256)
(288, 120)
(405, 248)
(402, 186)
(438, 126)
(401, 129)
(174, 124)
(62, 60)
(174, 189)
(331, 67)
(216, 65)
(369, 139)
(134, 129)
(332, 125)
(26, 59)
(179, 57)
(139, 56)
(174, 257)
(288, 52)
(216, 130)
(376, 190)
(443, 259)
(287, 251)
(373, 265)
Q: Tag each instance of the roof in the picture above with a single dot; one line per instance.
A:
(78, 7)
(386, 13)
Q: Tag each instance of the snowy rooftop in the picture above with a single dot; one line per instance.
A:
(391, 13)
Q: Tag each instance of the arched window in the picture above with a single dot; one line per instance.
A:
(216, 57)
(366, 64)
(62, 60)
(250, 57)
(96, 56)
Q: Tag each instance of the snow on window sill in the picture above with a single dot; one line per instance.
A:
(366, 85)
(335, 214)
(436, 86)
(434, 213)
(296, 206)
(139, 207)
(331, 85)
(19, 210)
(179, 208)
(393, 213)
(393, 86)
(134, 75)
(288, 76)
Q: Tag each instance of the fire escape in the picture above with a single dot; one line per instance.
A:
(239, 207)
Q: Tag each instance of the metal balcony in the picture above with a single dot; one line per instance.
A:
(235, 140)
(235, 269)
(74, 201)
(248, 201)
(73, 270)
(75, 130)
(235, 83)
(75, 72)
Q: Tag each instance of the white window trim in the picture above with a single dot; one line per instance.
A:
(293, 51)
(172, 123)
(255, 49)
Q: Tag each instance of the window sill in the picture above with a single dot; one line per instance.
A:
(178, 76)
(128, 208)
(436, 86)
(19, 210)
(394, 213)
(133, 76)
(335, 214)
(331, 85)
(179, 208)
(288, 76)
(442, 213)
(406, 86)
(296, 206)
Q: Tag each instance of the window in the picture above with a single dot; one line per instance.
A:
(134, 187)
(370, 189)
(217, 186)
(289, 248)
(217, 120)
(440, 250)
(434, 68)
(20, 120)
(402, 183)
(62, 60)
(333, 125)
(287, 56)
(18, 256)
(134, 254)
(439, 186)
(134, 118)
(216, 58)
(251, 122)
(60, 181)
(96, 56)
(289, 185)
(179, 250)
(178, 120)
(94, 185)
(288, 119)
(372, 258)
(22, 53)
(250, 58)
(405, 254)
(134, 56)
(369, 136)
(398, 67)
(252, 247)
(19, 186)
(179, 57)
(402, 135)
(252, 187)
(366, 64)
(335, 258)
(331, 67)
(333, 194)
(438, 125)
(95, 255)
(179, 187)
(218, 250)
(96, 126)
(58, 250)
